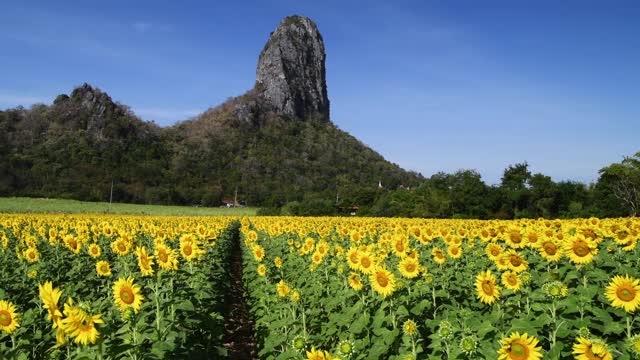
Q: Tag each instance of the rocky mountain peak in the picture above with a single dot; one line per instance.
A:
(291, 70)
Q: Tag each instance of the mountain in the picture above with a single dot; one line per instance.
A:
(274, 144)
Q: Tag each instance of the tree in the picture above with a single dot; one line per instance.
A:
(543, 193)
(624, 180)
(515, 176)
(468, 194)
(514, 183)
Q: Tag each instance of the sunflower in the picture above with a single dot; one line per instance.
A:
(400, 246)
(382, 281)
(515, 261)
(353, 258)
(533, 238)
(145, 262)
(258, 252)
(345, 348)
(190, 250)
(454, 251)
(514, 238)
(295, 296)
(409, 267)
(634, 345)
(79, 325)
(277, 262)
(262, 270)
(127, 294)
(322, 248)
(283, 289)
(493, 251)
(624, 292)
(120, 247)
(366, 263)
(630, 245)
(355, 281)
(591, 349)
(50, 298)
(621, 237)
(438, 256)
(519, 347)
(316, 258)
(103, 268)
(309, 245)
(9, 319)
(409, 327)
(580, 249)
(201, 231)
(31, 254)
(511, 280)
(318, 354)
(486, 288)
(72, 243)
(166, 257)
(94, 250)
(550, 250)
(555, 289)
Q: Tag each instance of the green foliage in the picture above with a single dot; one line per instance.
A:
(623, 181)
(80, 145)
(77, 147)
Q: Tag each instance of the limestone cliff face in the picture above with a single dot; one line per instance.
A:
(291, 70)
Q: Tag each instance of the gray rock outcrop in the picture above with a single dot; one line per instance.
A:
(291, 70)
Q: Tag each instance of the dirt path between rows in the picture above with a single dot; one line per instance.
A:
(238, 325)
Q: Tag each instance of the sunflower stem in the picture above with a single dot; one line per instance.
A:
(433, 297)
(413, 346)
(157, 294)
(304, 323)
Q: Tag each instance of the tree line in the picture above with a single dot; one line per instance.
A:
(520, 194)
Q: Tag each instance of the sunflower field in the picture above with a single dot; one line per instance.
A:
(111, 287)
(141, 287)
(344, 288)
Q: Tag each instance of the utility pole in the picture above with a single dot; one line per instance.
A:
(235, 197)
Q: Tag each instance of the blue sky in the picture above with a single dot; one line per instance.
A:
(431, 85)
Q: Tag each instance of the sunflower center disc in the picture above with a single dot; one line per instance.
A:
(487, 287)
(410, 268)
(581, 249)
(126, 296)
(626, 293)
(516, 261)
(5, 318)
(550, 249)
(382, 280)
(518, 351)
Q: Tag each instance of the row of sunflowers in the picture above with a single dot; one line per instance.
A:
(110, 287)
(343, 288)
